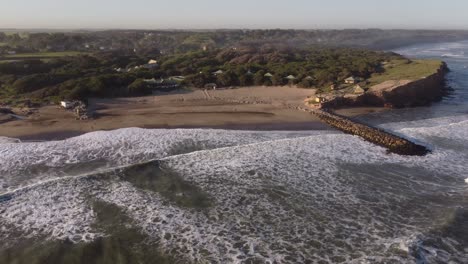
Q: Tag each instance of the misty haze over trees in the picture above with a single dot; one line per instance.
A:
(183, 41)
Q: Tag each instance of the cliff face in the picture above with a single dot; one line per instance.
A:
(402, 93)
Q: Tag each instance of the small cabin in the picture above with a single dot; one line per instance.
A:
(211, 86)
(164, 84)
(66, 104)
(318, 99)
(351, 80)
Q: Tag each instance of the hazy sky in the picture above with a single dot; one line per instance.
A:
(195, 14)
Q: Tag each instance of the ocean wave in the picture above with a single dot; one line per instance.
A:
(26, 163)
(5, 140)
(332, 197)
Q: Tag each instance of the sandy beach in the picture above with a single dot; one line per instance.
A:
(249, 108)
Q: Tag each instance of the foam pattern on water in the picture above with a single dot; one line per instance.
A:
(285, 197)
(29, 163)
(57, 210)
(4, 140)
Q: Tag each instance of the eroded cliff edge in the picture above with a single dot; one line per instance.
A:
(397, 93)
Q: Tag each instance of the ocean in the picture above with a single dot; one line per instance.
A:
(216, 196)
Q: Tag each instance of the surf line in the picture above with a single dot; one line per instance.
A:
(394, 143)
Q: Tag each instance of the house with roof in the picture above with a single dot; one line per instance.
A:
(351, 80)
(152, 64)
(67, 104)
(162, 84)
(218, 72)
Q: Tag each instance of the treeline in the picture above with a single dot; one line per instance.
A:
(78, 77)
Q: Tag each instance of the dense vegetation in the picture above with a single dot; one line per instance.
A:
(248, 65)
(66, 78)
(83, 76)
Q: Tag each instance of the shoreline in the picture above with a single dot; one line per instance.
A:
(295, 126)
(250, 108)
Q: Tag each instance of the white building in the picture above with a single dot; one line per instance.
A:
(66, 104)
(351, 80)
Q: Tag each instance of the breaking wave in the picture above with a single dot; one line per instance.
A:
(274, 196)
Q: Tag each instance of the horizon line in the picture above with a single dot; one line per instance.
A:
(220, 29)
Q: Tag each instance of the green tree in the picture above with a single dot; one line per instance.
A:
(259, 77)
(277, 80)
(228, 78)
(138, 87)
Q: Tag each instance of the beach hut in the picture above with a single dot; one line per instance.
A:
(290, 78)
(211, 86)
(66, 104)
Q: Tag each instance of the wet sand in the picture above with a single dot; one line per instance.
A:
(251, 108)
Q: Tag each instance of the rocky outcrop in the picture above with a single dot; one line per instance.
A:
(397, 93)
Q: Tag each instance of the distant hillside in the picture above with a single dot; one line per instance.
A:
(147, 42)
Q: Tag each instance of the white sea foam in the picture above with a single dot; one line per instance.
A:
(27, 163)
(323, 194)
(4, 140)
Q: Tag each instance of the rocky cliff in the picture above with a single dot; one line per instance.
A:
(397, 93)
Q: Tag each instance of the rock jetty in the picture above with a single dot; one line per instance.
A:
(393, 143)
